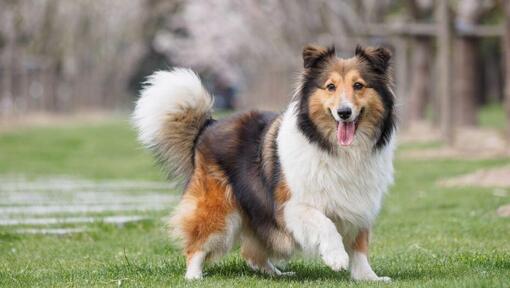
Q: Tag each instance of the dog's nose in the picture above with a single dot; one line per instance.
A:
(344, 112)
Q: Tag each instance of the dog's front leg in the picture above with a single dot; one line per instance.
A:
(360, 267)
(315, 232)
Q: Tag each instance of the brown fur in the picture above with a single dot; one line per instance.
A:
(252, 250)
(205, 206)
(176, 140)
(361, 242)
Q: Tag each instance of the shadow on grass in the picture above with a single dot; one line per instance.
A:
(234, 268)
(303, 273)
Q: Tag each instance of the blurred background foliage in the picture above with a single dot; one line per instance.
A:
(59, 56)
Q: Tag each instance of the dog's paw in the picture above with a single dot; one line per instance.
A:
(371, 276)
(336, 259)
(268, 268)
(383, 279)
(287, 274)
(193, 275)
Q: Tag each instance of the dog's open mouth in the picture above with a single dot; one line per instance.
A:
(345, 132)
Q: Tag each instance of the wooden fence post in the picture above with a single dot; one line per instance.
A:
(444, 74)
(506, 55)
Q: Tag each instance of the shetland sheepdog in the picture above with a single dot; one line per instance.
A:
(311, 179)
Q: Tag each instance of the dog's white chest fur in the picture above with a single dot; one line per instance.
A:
(348, 187)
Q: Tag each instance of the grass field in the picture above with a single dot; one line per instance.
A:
(426, 236)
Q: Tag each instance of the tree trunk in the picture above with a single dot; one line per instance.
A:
(422, 53)
(466, 81)
(466, 64)
(444, 71)
(419, 92)
(507, 64)
(10, 67)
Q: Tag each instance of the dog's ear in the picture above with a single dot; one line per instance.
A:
(379, 58)
(314, 55)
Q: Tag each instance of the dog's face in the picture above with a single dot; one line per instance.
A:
(346, 102)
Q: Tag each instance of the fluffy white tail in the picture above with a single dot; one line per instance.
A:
(172, 109)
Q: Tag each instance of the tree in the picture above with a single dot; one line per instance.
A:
(422, 53)
(506, 49)
(466, 61)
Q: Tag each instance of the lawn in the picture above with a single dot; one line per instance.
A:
(426, 236)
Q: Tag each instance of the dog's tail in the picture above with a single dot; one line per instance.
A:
(172, 110)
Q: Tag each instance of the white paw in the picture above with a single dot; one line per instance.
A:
(383, 279)
(336, 259)
(285, 274)
(193, 275)
(371, 276)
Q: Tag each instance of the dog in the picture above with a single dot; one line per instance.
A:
(310, 179)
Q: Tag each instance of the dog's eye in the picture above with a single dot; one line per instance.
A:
(331, 87)
(358, 86)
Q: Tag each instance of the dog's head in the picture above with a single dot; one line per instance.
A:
(346, 102)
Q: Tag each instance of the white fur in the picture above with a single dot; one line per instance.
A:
(316, 233)
(195, 264)
(165, 93)
(331, 196)
(361, 270)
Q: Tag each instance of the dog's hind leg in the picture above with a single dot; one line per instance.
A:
(212, 248)
(206, 219)
(212, 244)
(257, 256)
(194, 266)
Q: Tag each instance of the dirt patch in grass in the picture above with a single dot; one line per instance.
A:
(498, 178)
(504, 211)
(470, 143)
(495, 177)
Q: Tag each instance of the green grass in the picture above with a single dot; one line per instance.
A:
(492, 116)
(97, 151)
(426, 236)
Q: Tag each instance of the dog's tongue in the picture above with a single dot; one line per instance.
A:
(345, 133)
